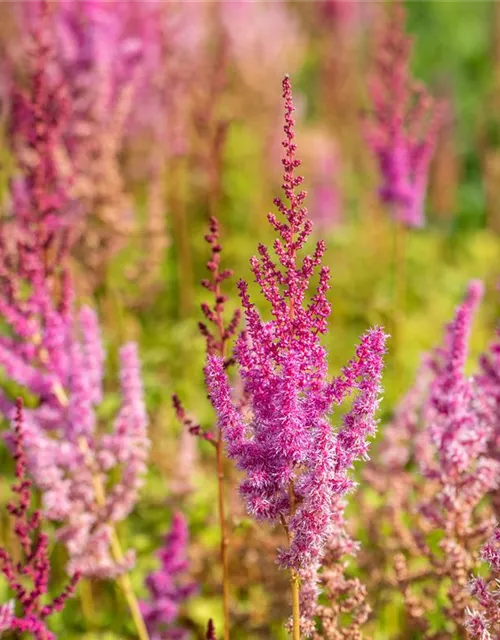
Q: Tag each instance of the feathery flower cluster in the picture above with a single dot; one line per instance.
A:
(484, 623)
(34, 545)
(39, 115)
(168, 586)
(296, 465)
(70, 459)
(446, 423)
(403, 125)
(459, 424)
(489, 381)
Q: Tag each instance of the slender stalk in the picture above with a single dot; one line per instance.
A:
(294, 577)
(117, 553)
(224, 537)
(224, 540)
(295, 585)
(399, 267)
(126, 587)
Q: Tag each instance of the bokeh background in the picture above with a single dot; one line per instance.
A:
(192, 128)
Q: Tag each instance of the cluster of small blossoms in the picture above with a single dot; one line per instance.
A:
(459, 422)
(33, 614)
(168, 587)
(70, 458)
(489, 380)
(57, 357)
(484, 623)
(39, 116)
(446, 424)
(403, 125)
(296, 465)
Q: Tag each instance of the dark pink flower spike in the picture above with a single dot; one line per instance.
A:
(296, 465)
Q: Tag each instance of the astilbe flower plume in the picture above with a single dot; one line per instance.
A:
(71, 459)
(403, 124)
(40, 113)
(459, 423)
(58, 358)
(447, 431)
(295, 464)
(33, 614)
(489, 380)
(169, 586)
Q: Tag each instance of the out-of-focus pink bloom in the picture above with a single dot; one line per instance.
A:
(401, 435)
(66, 456)
(322, 161)
(343, 15)
(264, 38)
(296, 466)
(458, 424)
(168, 586)
(402, 129)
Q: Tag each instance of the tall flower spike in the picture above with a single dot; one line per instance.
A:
(461, 416)
(36, 565)
(403, 124)
(295, 464)
(211, 631)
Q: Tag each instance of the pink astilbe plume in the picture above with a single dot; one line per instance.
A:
(296, 465)
(403, 124)
(169, 586)
(459, 423)
(40, 114)
(33, 614)
(72, 459)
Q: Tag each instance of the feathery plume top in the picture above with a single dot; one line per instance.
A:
(296, 465)
(403, 124)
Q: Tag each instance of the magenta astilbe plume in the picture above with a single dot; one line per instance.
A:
(402, 128)
(69, 457)
(39, 117)
(459, 424)
(169, 586)
(36, 566)
(296, 465)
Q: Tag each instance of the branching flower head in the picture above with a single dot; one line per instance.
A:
(403, 126)
(36, 566)
(296, 465)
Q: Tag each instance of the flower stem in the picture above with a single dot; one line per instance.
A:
(295, 584)
(126, 587)
(224, 542)
(116, 550)
(399, 267)
(294, 577)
